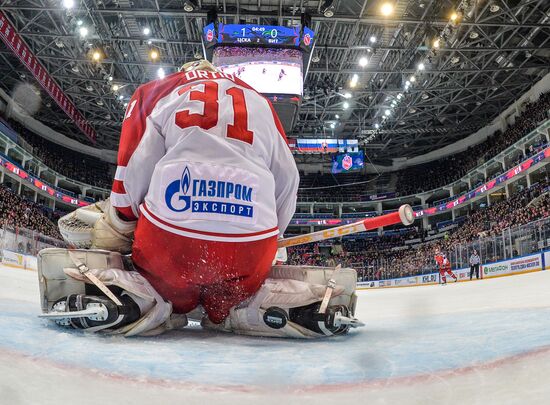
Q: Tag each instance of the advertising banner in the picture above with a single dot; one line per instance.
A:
(513, 266)
(13, 259)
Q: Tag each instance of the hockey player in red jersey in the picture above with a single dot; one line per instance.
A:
(205, 185)
(444, 266)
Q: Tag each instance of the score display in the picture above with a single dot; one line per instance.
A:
(270, 35)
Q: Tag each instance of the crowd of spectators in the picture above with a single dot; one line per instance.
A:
(441, 172)
(17, 212)
(390, 257)
(75, 165)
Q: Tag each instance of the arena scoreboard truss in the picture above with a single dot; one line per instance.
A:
(258, 35)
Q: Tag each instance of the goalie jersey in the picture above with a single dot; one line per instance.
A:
(203, 155)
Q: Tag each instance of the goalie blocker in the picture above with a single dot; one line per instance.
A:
(89, 289)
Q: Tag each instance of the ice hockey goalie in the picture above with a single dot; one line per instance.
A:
(205, 185)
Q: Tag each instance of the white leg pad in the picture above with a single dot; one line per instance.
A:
(59, 277)
(289, 287)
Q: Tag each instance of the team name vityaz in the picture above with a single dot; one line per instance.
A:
(218, 192)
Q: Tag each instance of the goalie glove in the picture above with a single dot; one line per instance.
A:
(97, 226)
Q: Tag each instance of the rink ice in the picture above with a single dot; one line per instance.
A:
(480, 342)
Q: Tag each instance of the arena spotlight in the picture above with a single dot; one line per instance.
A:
(454, 16)
(190, 5)
(354, 80)
(387, 113)
(110, 78)
(399, 96)
(363, 61)
(79, 22)
(154, 54)
(386, 9)
(412, 79)
(347, 95)
(83, 31)
(68, 3)
(332, 125)
(436, 43)
(345, 106)
(372, 39)
(115, 87)
(146, 31)
(376, 125)
(121, 97)
(421, 66)
(327, 8)
(160, 73)
(96, 56)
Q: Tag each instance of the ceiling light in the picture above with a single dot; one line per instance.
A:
(154, 55)
(89, 88)
(494, 8)
(126, 104)
(393, 103)
(387, 113)
(347, 95)
(372, 39)
(149, 42)
(146, 31)
(354, 80)
(454, 16)
(79, 22)
(376, 125)
(160, 73)
(399, 96)
(363, 61)
(189, 5)
(421, 66)
(436, 43)
(110, 78)
(412, 79)
(345, 106)
(407, 83)
(386, 9)
(337, 116)
(327, 8)
(83, 31)
(68, 3)
(96, 56)
(115, 87)
(332, 125)
(473, 35)
(120, 97)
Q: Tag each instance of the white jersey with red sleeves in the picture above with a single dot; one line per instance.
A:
(203, 155)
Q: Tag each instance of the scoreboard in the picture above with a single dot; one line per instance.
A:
(258, 35)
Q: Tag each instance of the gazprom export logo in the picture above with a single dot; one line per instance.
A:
(209, 196)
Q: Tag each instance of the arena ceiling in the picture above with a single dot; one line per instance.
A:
(485, 58)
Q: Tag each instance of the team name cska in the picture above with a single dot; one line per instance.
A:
(221, 189)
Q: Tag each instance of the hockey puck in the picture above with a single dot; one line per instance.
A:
(275, 317)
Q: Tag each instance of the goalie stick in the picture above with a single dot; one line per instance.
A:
(405, 216)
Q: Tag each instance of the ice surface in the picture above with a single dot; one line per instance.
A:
(473, 342)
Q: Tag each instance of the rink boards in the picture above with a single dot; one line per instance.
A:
(518, 265)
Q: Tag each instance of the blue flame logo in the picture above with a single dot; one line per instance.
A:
(180, 187)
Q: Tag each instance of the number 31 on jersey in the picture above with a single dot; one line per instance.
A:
(207, 93)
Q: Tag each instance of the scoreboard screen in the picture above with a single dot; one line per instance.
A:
(266, 35)
(267, 70)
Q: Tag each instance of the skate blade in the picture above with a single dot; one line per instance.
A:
(96, 312)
